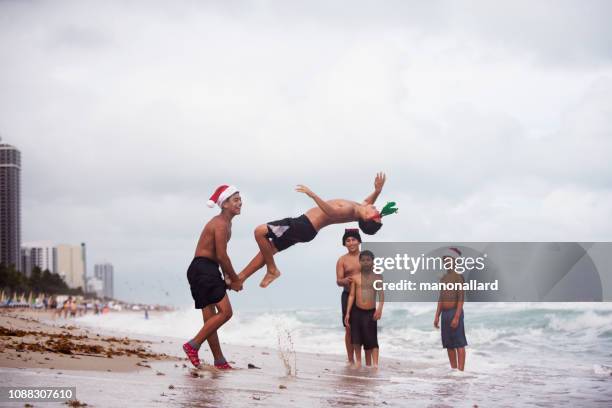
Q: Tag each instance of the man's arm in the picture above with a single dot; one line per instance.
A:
(381, 303)
(328, 209)
(379, 182)
(221, 252)
(349, 305)
(341, 279)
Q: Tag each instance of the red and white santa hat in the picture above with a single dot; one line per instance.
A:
(452, 252)
(221, 194)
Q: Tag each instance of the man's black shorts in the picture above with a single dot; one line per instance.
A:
(289, 231)
(452, 338)
(364, 329)
(344, 302)
(205, 281)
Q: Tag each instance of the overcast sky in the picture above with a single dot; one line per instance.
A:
(491, 120)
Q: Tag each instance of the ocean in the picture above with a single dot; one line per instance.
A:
(533, 352)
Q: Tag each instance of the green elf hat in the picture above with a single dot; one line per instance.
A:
(389, 209)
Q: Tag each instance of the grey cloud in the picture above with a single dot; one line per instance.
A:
(125, 134)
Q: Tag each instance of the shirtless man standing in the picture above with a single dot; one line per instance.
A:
(450, 307)
(208, 287)
(276, 236)
(347, 266)
(362, 312)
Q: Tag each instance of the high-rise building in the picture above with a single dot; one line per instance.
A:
(10, 206)
(95, 285)
(69, 265)
(26, 261)
(104, 272)
(41, 254)
(84, 256)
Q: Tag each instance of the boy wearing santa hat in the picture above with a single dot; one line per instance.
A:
(276, 236)
(450, 306)
(207, 285)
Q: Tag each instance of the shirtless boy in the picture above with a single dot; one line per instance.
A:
(208, 287)
(276, 236)
(362, 314)
(346, 268)
(450, 306)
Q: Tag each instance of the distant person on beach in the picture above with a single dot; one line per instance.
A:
(450, 306)
(207, 285)
(73, 308)
(66, 306)
(362, 314)
(53, 304)
(346, 268)
(276, 236)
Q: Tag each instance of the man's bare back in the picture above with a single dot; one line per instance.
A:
(346, 211)
(206, 244)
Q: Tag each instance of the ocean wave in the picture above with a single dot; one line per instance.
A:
(405, 330)
(580, 323)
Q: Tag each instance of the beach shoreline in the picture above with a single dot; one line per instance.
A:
(262, 376)
(281, 376)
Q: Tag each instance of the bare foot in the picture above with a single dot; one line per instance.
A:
(271, 274)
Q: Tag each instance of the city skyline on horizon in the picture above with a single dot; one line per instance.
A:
(66, 260)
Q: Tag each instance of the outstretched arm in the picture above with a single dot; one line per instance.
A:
(379, 182)
(329, 210)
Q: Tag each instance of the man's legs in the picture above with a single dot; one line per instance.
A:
(349, 345)
(256, 264)
(452, 357)
(461, 358)
(357, 349)
(368, 357)
(215, 321)
(375, 356)
(264, 257)
(213, 339)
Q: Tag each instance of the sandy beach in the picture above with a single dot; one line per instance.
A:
(150, 372)
(27, 342)
(146, 371)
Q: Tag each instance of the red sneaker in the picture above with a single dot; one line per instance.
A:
(224, 366)
(192, 354)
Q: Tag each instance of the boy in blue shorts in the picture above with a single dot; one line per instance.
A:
(450, 306)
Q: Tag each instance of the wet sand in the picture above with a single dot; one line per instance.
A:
(161, 376)
(165, 378)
